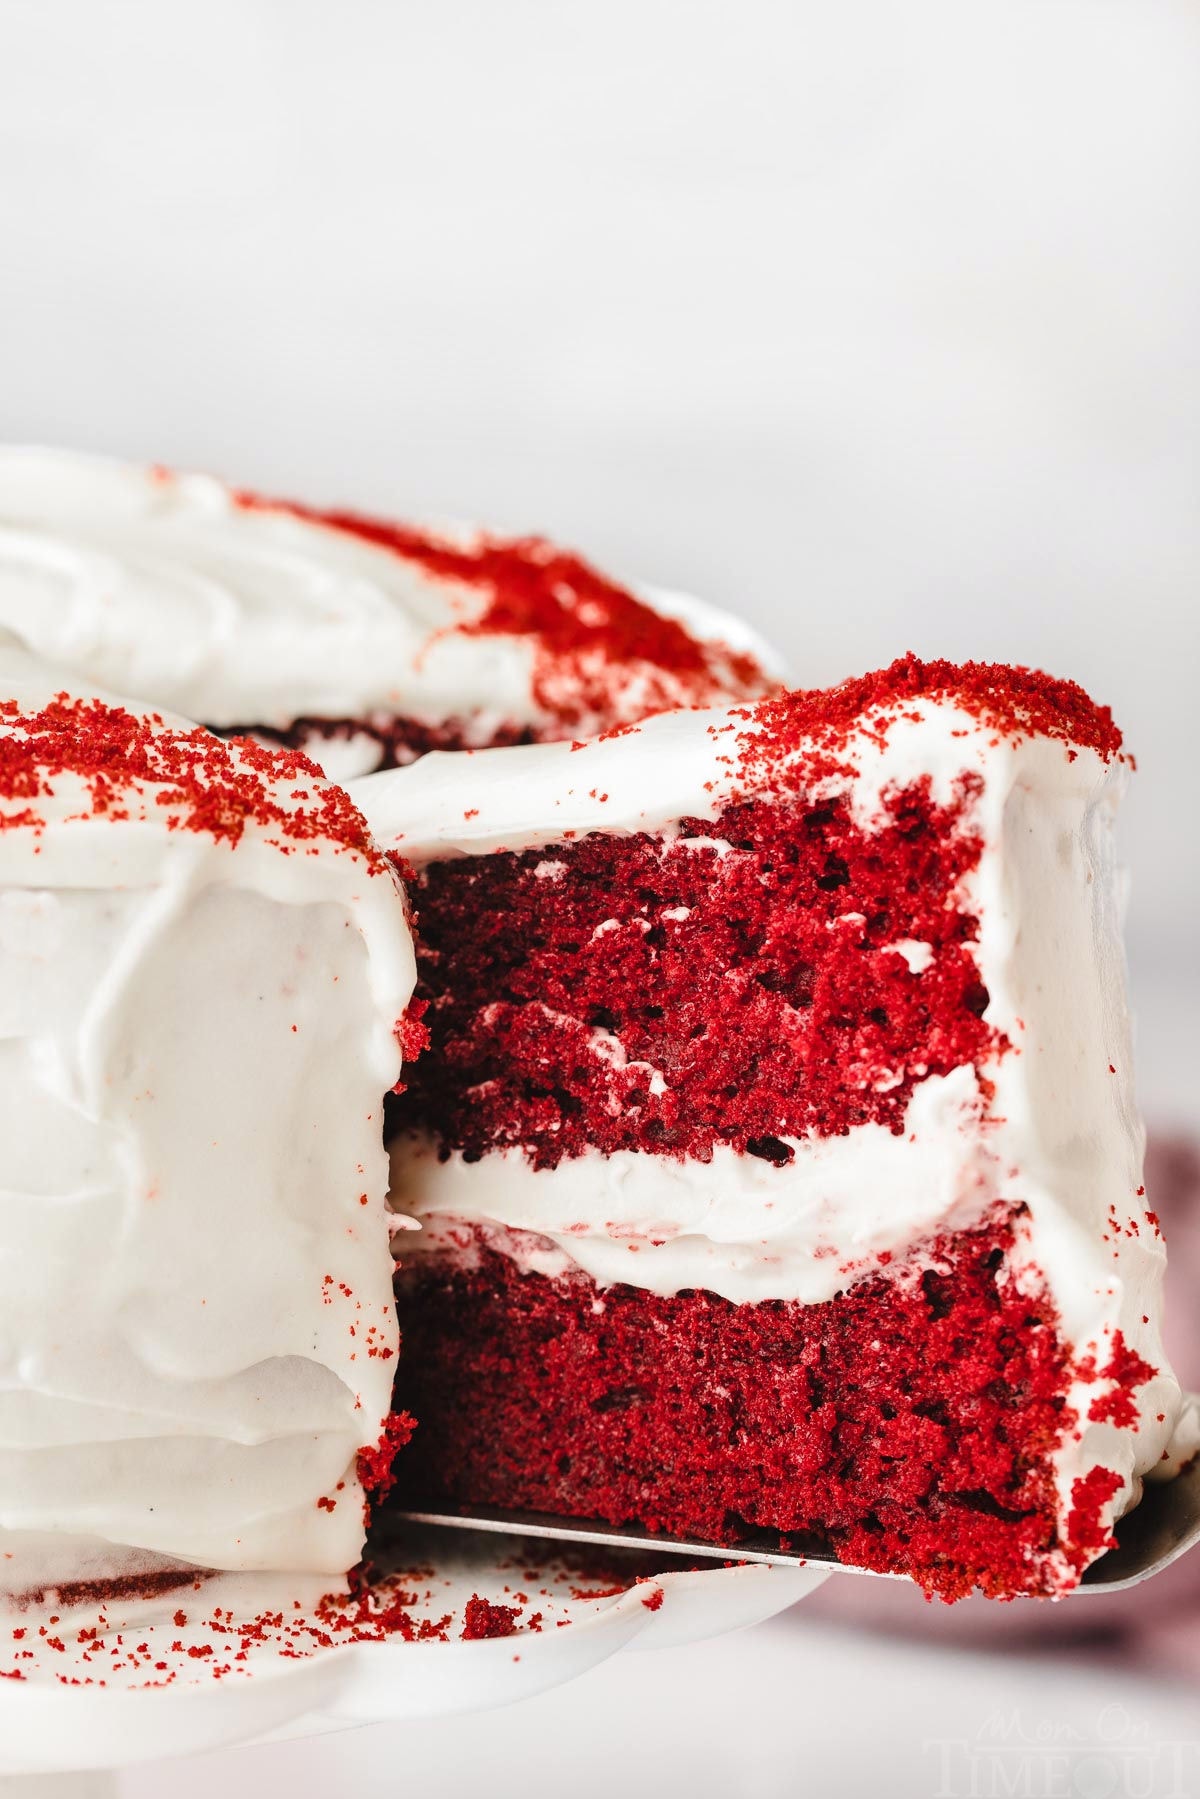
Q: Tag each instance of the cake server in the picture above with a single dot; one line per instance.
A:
(1149, 1538)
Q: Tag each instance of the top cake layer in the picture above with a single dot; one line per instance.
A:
(203, 966)
(242, 611)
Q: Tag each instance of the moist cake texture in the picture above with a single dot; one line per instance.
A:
(775, 1153)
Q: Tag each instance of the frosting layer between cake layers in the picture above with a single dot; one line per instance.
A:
(202, 963)
(245, 612)
(1044, 1121)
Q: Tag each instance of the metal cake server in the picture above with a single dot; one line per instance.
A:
(1156, 1533)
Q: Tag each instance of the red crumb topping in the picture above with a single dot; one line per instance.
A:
(483, 1619)
(375, 1462)
(909, 1421)
(599, 653)
(736, 984)
(213, 787)
(1127, 1371)
(1087, 1535)
(412, 1035)
(1016, 702)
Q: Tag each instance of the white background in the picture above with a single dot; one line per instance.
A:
(878, 322)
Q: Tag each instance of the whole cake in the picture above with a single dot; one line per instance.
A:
(363, 642)
(203, 964)
(775, 1153)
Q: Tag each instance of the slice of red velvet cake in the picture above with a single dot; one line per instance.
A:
(775, 1155)
(361, 641)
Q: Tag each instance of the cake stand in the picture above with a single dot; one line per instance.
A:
(241, 1659)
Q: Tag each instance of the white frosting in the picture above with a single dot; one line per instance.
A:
(194, 1039)
(165, 588)
(1060, 1134)
(737, 1225)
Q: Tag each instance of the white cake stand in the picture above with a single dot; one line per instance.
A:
(61, 1740)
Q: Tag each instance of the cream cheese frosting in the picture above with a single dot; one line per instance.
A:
(1056, 1131)
(178, 591)
(197, 1331)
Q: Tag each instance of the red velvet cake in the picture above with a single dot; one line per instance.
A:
(774, 1154)
(205, 962)
(360, 641)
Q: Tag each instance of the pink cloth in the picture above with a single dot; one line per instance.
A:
(1157, 1626)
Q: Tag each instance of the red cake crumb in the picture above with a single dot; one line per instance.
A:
(375, 1464)
(1017, 702)
(760, 982)
(483, 1619)
(1127, 1371)
(374, 1613)
(590, 637)
(216, 787)
(1087, 1537)
(909, 1422)
(412, 1035)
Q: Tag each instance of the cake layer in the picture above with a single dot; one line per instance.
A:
(778, 972)
(911, 1423)
(890, 916)
(203, 960)
(245, 612)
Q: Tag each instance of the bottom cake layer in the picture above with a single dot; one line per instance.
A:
(910, 1422)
